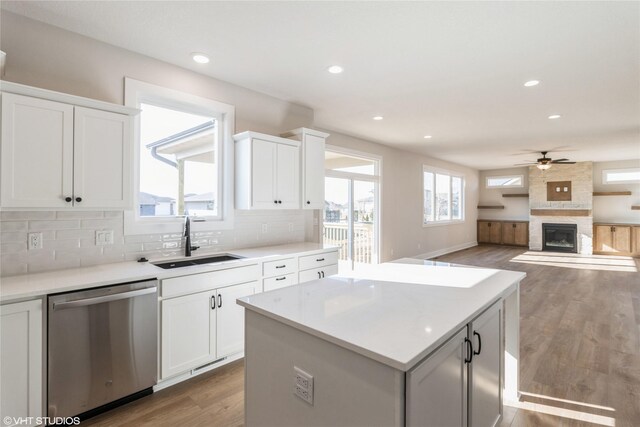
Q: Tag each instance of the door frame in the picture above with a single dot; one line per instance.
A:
(376, 179)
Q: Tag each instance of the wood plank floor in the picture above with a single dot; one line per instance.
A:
(580, 351)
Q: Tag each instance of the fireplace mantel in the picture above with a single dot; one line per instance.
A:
(560, 212)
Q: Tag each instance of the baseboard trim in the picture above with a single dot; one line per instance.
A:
(444, 251)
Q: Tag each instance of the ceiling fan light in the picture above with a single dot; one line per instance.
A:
(543, 166)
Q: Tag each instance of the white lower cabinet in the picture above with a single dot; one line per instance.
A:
(271, 283)
(317, 273)
(21, 359)
(199, 328)
(460, 383)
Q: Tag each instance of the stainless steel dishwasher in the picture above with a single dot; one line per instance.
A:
(102, 348)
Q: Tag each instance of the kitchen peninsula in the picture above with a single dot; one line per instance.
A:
(405, 343)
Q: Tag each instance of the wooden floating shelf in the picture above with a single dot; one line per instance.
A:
(635, 208)
(490, 207)
(612, 193)
(560, 212)
(516, 195)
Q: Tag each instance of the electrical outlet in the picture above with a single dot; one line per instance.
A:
(303, 385)
(104, 237)
(34, 241)
(264, 227)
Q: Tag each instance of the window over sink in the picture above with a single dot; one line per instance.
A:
(182, 160)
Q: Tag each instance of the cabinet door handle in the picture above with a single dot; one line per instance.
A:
(479, 343)
(275, 201)
(280, 201)
(213, 302)
(280, 278)
(78, 199)
(68, 199)
(281, 266)
(322, 274)
(308, 202)
(219, 300)
(319, 276)
(470, 352)
(319, 259)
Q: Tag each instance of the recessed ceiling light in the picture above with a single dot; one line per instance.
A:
(200, 58)
(427, 137)
(532, 83)
(378, 118)
(555, 116)
(335, 69)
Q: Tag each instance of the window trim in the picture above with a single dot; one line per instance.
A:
(493, 187)
(137, 92)
(451, 174)
(607, 171)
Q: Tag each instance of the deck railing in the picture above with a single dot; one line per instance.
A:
(337, 233)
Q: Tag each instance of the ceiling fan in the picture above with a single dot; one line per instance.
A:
(545, 162)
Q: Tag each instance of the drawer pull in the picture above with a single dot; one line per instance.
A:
(280, 278)
(281, 266)
(319, 259)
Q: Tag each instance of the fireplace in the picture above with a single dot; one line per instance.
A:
(560, 237)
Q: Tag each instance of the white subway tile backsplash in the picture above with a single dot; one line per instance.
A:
(26, 215)
(53, 225)
(79, 214)
(13, 225)
(69, 238)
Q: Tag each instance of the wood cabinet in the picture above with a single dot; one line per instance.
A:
(21, 359)
(503, 232)
(635, 239)
(613, 239)
(461, 383)
(312, 162)
(267, 172)
(515, 233)
(59, 155)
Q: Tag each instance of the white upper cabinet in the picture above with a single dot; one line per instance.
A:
(267, 172)
(63, 154)
(37, 152)
(312, 154)
(101, 177)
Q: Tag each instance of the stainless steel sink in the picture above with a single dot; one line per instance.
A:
(197, 261)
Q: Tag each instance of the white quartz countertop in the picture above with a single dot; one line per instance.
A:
(39, 284)
(395, 313)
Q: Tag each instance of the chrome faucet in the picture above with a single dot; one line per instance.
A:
(187, 233)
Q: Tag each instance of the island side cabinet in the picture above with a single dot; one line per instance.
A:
(460, 383)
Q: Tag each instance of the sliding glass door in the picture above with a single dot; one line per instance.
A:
(351, 212)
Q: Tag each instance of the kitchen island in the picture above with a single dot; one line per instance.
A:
(404, 343)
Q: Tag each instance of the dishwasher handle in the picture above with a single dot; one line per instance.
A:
(106, 298)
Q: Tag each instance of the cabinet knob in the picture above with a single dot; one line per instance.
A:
(67, 199)
(78, 199)
(280, 201)
(275, 201)
(308, 202)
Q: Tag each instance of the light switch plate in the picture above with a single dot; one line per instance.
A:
(104, 237)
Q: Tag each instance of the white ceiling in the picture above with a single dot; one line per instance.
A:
(454, 70)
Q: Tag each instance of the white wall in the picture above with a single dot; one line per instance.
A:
(515, 208)
(615, 208)
(402, 207)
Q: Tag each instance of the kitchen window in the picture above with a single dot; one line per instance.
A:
(443, 196)
(182, 158)
(508, 181)
(621, 176)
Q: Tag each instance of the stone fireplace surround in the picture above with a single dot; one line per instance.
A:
(581, 177)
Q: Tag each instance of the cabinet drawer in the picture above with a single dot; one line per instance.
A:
(208, 281)
(317, 273)
(318, 260)
(279, 268)
(279, 282)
